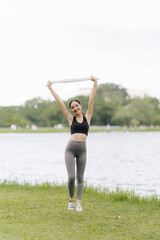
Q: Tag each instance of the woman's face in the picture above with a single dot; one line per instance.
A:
(76, 107)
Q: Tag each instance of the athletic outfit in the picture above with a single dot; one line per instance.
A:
(76, 151)
(77, 127)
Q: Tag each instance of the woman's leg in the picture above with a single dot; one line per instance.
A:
(81, 163)
(70, 165)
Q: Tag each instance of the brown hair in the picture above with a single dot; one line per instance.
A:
(75, 100)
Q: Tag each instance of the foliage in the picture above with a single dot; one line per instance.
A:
(138, 112)
(112, 106)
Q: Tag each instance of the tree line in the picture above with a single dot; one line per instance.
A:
(112, 106)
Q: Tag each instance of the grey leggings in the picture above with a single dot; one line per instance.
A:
(75, 150)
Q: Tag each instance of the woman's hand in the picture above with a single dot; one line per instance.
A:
(94, 80)
(49, 84)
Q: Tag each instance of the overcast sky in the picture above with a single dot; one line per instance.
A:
(116, 40)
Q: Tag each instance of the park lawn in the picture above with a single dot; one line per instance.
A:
(39, 130)
(92, 129)
(46, 130)
(40, 212)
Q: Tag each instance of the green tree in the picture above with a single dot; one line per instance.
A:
(137, 112)
(108, 98)
(112, 105)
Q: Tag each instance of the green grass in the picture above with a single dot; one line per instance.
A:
(39, 130)
(40, 212)
(92, 129)
(43, 130)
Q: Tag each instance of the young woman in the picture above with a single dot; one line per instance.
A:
(76, 147)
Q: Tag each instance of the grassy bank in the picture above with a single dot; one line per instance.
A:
(45, 130)
(39, 130)
(92, 129)
(40, 212)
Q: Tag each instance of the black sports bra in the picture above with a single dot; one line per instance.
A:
(77, 127)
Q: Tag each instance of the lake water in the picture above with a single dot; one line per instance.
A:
(130, 160)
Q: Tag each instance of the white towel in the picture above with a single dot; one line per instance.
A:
(72, 80)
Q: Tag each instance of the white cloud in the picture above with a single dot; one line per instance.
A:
(116, 40)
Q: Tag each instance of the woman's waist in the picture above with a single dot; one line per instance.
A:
(78, 137)
(76, 145)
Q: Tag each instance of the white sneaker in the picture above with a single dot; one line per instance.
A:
(71, 205)
(78, 207)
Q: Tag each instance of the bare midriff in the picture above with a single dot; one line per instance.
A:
(79, 137)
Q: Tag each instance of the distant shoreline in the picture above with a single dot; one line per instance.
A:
(92, 129)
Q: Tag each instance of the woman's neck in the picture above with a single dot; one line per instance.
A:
(79, 115)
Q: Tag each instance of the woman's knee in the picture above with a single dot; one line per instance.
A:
(80, 179)
(71, 180)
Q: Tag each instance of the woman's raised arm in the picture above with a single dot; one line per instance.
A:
(89, 112)
(65, 111)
